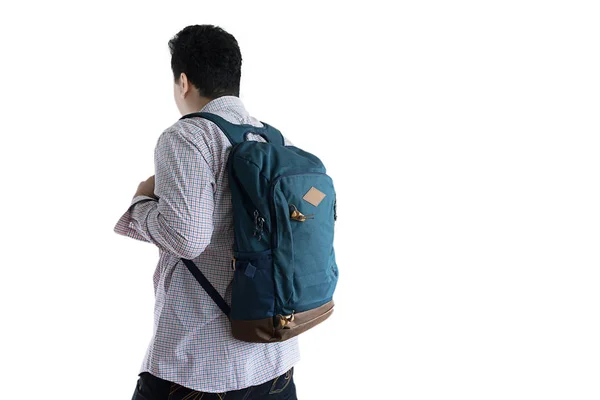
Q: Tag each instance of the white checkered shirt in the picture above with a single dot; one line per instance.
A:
(192, 343)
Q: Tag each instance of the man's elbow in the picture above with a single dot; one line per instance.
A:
(190, 249)
(182, 240)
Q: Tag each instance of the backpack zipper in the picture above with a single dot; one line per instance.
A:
(259, 220)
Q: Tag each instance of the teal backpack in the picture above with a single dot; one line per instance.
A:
(284, 212)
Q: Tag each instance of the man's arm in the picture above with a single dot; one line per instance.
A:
(180, 221)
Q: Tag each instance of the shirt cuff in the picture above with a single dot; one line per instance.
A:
(125, 224)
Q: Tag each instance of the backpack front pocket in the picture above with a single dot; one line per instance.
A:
(303, 208)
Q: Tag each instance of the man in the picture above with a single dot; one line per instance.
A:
(186, 211)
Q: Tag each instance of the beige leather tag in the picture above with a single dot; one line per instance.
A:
(314, 196)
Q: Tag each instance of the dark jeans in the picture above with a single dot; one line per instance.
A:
(150, 387)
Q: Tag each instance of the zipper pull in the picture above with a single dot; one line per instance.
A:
(284, 320)
(259, 223)
(298, 216)
(335, 210)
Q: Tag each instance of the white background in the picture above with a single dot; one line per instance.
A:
(463, 140)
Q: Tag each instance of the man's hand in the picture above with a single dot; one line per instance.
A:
(146, 188)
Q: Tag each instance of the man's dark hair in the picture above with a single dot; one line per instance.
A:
(211, 59)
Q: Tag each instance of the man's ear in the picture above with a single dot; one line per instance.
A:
(184, 85)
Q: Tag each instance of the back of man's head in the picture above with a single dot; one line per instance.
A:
(210, 58)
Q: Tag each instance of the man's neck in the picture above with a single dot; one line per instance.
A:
(198, 104)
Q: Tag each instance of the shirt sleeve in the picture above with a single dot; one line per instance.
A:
(180, 222)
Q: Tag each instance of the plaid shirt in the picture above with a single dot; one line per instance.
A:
(192, 343)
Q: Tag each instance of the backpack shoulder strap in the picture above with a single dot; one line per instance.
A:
(239, 133)
(206, 285)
